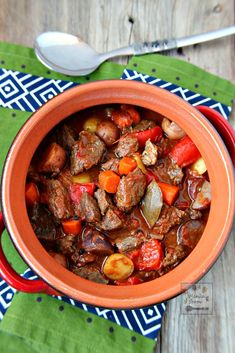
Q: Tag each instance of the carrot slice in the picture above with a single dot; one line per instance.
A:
(31, 194)
(109, 181)
(169, 192)
(72, 226)
(127, 165)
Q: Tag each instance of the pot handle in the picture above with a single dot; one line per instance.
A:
(223, 128)
(14, 279)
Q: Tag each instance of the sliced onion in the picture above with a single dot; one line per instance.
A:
(172, 130)
(152, 203)
(203, 198)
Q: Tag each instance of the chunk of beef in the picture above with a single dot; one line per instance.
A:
(127, 145)
(91, 273)
(130, 190)
(58, 200)
(164, 147)
(82, 259)
(86, 152)
(103, 199)
(149, 156)
(129, 243)
(175, 173)
(167, 171)
(36, 177)
(89, 208)
(67, 244)
(111, 164)
(42, 223)
(65, 178)
(144, 125)
(95, 242)
(53, 159)
(110, 221)
(66, 136)
(169, 217)
(173, 257)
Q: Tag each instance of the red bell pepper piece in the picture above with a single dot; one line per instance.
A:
(129, 282)
(169, 192)
(148, 257)
(150, 176)
(76, 190)
(185, 152)
(134, 256)
(154, 134)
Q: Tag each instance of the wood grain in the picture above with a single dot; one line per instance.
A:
(109, 24)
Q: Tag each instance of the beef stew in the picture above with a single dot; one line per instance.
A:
(116, 197)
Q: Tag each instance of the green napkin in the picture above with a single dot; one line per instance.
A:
(39, 323)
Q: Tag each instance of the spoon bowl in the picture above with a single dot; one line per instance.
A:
(66, 53)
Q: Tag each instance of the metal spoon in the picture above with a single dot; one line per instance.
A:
(68, 54)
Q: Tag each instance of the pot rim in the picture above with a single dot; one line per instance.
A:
(120, 92)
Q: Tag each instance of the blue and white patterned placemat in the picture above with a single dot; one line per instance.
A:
(27, 93)
(189, 96)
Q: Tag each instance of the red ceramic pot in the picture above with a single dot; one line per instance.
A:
(55, 278)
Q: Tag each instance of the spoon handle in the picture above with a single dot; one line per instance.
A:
(167, 44)
(162, 45)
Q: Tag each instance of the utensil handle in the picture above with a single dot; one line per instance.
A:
(141, 48)
(167, 44)
(205, 37)
(14, 279)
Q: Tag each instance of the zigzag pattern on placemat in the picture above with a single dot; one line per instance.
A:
(189, 96)
(28, 92)
(6, 296)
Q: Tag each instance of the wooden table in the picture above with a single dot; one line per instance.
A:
(106, 25)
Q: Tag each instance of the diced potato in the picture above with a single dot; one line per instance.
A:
(118, 267)
(81, 178)
(91, 124)
(199, 166)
